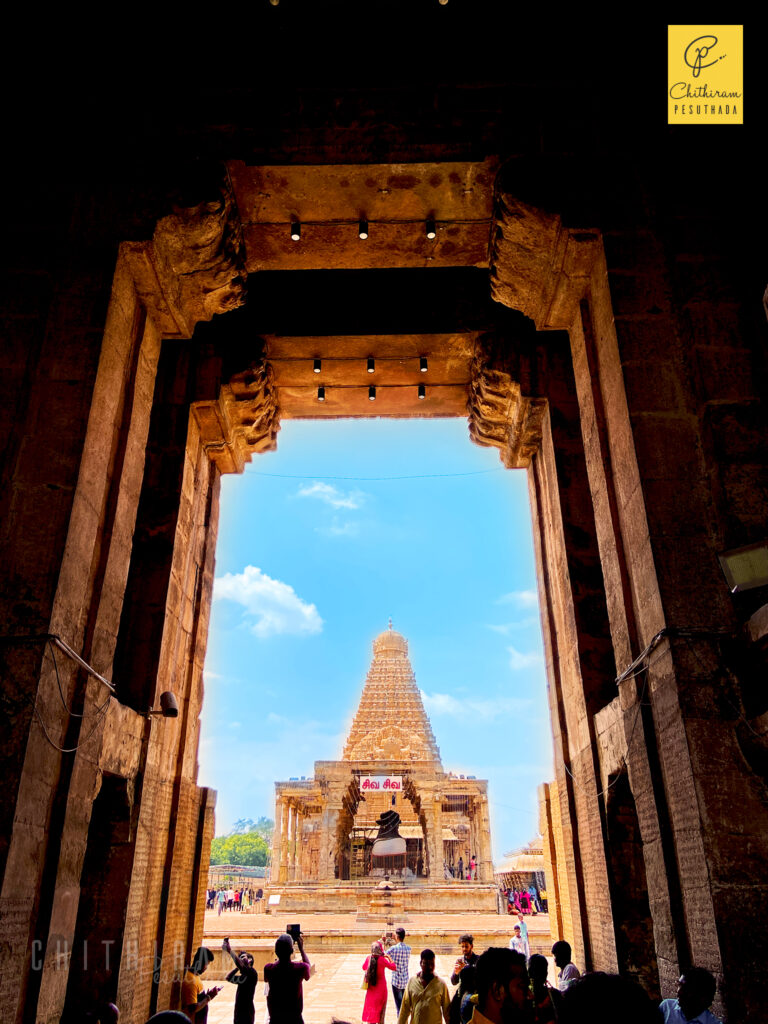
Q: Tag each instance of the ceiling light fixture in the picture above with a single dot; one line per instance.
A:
(422, 391)
(321, 394)
(362, 229)
(371, 364)
(423, 364)
(316, 366)
(372, 393)
(431, 229)
(295, 231)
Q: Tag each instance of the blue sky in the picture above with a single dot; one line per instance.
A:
(309, 567)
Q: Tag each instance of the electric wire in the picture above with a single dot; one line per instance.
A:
(369, 479)
(51, 640)
(70, 750)
(74, 714)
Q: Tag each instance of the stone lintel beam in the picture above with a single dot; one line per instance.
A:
(242, 421)
(540, 266)
(499, 415)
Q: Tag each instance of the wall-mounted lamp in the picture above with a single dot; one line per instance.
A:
(321, 394)
(295, 231)
(422, 391)
(371, 364)
(746, 568)
(362, 229)
(423, 364)
(431, 229)
(372, 393)
(169, 706)
(316, 364)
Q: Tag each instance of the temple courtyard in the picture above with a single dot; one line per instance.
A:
(334, 988)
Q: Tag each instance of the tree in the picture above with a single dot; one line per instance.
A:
(248, 849)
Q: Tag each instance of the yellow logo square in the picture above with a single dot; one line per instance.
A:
(705, 67)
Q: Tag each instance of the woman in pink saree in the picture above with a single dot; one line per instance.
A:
(375, 967)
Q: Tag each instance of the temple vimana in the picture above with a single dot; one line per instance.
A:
(490, 203)
(328, 828)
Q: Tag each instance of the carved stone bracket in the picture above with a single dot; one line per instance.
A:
(538, 265)
(242, 421)
(194, 266)
(499, 415)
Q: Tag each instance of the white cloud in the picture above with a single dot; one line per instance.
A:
(332, 495)
(276, 606)
(520, 598)
(337, 529)
(447, 704)
(519, 661)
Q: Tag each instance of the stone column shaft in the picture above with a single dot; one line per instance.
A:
(283, 874)
(274, 867)
(295, 844)
(484, 853)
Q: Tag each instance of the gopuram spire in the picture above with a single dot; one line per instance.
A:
(391, 723)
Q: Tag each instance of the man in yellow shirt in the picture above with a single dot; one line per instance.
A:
(194, 1000)
(502, 988)
(426, 997)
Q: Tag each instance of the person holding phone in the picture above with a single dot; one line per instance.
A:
(285, 998)
(194, 1000)
(463, 976)
(246, 978)
(375, 982)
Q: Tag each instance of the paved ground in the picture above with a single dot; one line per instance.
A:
(334, 989)
(231, 923)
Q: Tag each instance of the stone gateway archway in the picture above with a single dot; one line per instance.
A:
(619, 362)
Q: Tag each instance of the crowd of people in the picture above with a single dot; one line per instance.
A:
(499, 986)
(458, 870)
(510, 986)
(524, 901)
(232, 899)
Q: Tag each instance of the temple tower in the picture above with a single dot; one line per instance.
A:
(327, 825)
(391, 723)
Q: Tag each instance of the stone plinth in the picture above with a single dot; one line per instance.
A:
(450, 897)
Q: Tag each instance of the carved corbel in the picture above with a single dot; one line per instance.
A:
(538, 265)
(499, 415)
(242, 421)
(194, 266)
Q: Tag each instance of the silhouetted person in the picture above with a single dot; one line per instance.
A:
(285, 998)
(547, 1001)
(502, 988)
(169, 1017)
(194, 1000)
(695, 992)
(569, 972)
(246, 978)
(599, 998)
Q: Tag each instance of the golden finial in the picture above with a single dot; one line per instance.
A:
(390, 622)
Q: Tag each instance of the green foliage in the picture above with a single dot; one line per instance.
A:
(247, 849)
